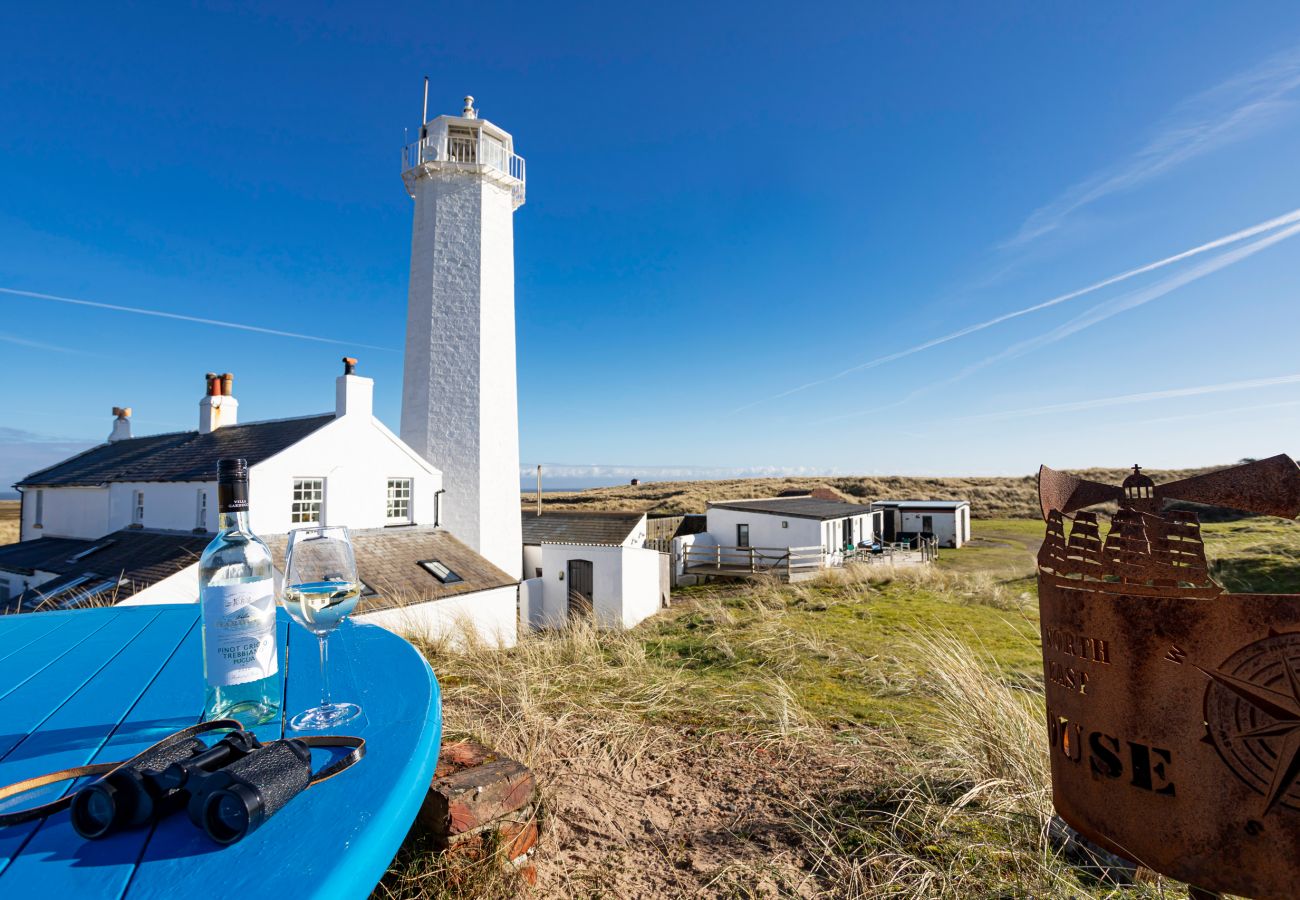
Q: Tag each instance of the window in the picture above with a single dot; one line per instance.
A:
(927, 524)
(201, 516)
(38, 517)
(137, 509)
(785, 524)
(308, 498)
(439, 571)
(742, 535)
(399, 501)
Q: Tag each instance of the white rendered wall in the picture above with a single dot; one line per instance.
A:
(73, 512)
(532, 560)
(531, 602)
(355, 455)
(183, 587)
(170, 505)
(640, 598)
(490, 616)
(764, 529)
(625, 585)
(459, 395)
(944, 524)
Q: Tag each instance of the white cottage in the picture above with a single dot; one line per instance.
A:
(593, 564)
(809, 524)
(947, 521)
(127, 519)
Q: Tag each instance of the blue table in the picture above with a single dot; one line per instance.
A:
(100, 685)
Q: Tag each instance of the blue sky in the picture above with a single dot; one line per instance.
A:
(744, 225)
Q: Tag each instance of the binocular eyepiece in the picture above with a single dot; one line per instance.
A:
(229, 789)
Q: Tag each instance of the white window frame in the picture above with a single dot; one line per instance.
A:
(399, 485)
(201, 513)
(137, 508)
(300, 496)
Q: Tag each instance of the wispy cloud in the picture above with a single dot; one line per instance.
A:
(1217, 243)
(1231, 111)
(1097, 314)
(570, 473)
(34, 345)
(198, 320)
(1251, 384)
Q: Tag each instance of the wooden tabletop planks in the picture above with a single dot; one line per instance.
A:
(101, 685)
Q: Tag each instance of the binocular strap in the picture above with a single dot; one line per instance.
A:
(357, 744)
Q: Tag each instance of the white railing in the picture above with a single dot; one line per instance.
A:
(480, 150)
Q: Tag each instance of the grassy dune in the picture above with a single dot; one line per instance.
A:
(991, 498)
(870, 734)
(9, 510)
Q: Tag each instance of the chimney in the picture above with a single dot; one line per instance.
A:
(353, 395)
(121, 424)
(218, 407)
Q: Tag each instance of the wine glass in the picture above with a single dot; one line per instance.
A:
(320, 588)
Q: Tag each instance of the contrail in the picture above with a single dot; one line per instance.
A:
(196, 319)
(1234, 237)
(1143, 397)
(1098, 313)
(1208, 120)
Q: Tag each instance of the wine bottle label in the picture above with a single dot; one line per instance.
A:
(239, 632)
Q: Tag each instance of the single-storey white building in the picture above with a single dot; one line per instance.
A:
(127, 520)
(815, 527)
(948, 521)
(595, 564)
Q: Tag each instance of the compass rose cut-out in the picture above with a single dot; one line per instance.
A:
(1252, 717)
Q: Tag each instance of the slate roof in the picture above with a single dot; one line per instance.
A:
(134, 557)
(388, 561)
(796, 507)
(576, 527)
(179, 456)
(42, 553)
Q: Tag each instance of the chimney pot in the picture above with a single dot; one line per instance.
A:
(349, 365)
(218, 407)
(121, 424)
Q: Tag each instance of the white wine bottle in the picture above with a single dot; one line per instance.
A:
(237, 595)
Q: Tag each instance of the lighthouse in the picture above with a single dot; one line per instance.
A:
(460, 406)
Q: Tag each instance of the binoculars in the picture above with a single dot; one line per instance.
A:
(228, 789)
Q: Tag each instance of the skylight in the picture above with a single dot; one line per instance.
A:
(440, 571)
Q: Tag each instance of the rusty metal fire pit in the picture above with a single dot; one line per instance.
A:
(1173, 707)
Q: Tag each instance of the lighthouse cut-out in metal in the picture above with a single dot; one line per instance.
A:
(459, 394)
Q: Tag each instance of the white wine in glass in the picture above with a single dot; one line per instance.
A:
(321, 588)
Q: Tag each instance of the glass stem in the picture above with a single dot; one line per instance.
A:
(324, 670)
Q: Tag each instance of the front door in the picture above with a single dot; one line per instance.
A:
(580, 588)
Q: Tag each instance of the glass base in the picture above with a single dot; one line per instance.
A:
(327, 716)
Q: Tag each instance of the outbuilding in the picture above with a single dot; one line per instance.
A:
(947, 521)
(589, 565)
(781, 523)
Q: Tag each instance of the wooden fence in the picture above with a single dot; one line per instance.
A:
(719, 559)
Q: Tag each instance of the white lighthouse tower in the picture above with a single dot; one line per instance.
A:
(460, 406)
